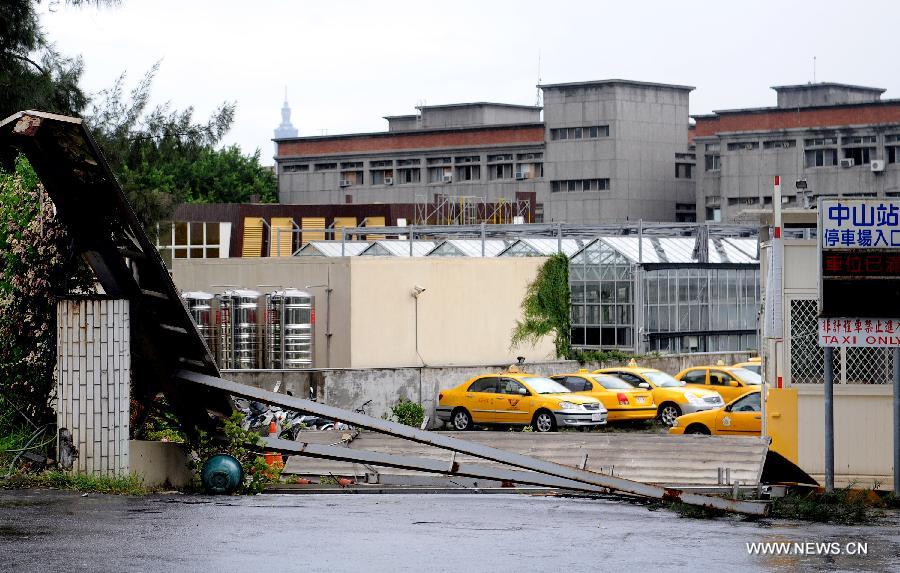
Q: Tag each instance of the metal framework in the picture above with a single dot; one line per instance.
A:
(455, 210)
(169, 354)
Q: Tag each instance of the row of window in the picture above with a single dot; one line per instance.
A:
(444, 174)
(579, 185)
(389, 163)
(591, 132)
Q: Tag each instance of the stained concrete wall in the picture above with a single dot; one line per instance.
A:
(159, 464)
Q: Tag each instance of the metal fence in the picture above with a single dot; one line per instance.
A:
(851, 365)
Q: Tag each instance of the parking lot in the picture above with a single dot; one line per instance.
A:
(55, 531)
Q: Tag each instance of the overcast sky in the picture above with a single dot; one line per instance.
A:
(348, 63)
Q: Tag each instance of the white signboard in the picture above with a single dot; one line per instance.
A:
(859, 332)
(860, 223)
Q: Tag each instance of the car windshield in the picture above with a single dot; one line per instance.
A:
(611, 382)
(747, 376)
(545, 385)
(662, 380)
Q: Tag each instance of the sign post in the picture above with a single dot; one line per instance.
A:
(859, 287)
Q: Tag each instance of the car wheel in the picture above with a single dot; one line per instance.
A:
(461, 420)
(697, 429)
(668, 412)
(544, 422)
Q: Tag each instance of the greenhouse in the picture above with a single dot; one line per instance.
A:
(691, 299)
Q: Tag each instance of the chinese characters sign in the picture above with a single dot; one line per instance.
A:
(860, 264)
(861, 224)
(871, 333)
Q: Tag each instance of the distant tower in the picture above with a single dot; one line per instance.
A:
(286, 129)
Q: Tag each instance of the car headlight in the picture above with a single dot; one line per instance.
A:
(693, 398)
(570, 406)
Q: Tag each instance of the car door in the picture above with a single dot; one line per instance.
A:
(510, 405)
(741, 418)
(725, 384)
(696, 378)
(479, 400)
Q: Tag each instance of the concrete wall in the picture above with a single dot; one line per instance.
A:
(466, 315)
(160, 464)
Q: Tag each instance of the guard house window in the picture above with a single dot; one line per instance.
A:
(579, 185)
(325, 166)
(468, 173)
(410, 175)
(589, 132)
(713, 162)
(821, 157)
(684, 171)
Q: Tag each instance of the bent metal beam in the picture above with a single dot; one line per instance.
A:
(470, 448)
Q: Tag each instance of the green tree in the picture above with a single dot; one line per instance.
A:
(545, 307)
(36, 266)
(228, 176)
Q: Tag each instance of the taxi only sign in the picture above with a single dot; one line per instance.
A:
(871, 333)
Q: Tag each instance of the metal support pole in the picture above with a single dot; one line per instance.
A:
(829, 419)
(897, 421)
(559, 237)
(412, 238)
(343, 242)
(482, 239)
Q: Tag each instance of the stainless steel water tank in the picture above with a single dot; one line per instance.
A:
(290, 326)
(200, 307)
(239, 329)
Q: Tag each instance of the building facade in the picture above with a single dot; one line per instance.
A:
(604, 151)
(823, 139)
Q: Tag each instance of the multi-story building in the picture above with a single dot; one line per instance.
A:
(823, 139)
(605, 151)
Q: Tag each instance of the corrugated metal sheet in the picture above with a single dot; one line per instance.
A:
(253, 235)
(332, 248)
(281, 237)
(649, 458)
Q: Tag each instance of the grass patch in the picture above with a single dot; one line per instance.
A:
(121, 485)
(844, 506)
(695, 511)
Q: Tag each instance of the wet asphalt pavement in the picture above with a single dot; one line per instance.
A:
(62, 531)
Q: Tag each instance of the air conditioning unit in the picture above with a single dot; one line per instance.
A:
(847, 162)
(786, 144)
(345, 183)
(748, 146)
(388, 180)
(877, 165)
(521, 175)
(448, 178)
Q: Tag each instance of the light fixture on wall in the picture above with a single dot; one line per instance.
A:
(417, 290)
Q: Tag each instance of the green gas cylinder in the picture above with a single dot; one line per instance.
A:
(222, 474)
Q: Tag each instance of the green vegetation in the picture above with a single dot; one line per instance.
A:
(545, 307)
(407, 413)
(236, 443)
(601, 356)
(122, 485)
(843, 506)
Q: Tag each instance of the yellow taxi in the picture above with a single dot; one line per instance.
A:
(672, 397)
(622, 400)
(516, 398)
(741, 417)
(753, 364)
(729, 381)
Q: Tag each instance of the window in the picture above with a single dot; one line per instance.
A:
(695, 377)
(820, 141)
(388, 163)
(893, 154)
(713, 162)
(574, 383)
(188, 240)
(468, 173)
(821, 157)
(858, 139)
(382, 176)
(713, 214)
(684, 171)
(469, 159)
(779, 144)
(401, 162)
(351, 178)
(529, 156)
(713, 147)
(351, 165)
(488, 385)
(529, 170)
(749, 403)
(325, 166)
(579, 185)
(500, 171)
(859, 155)
(510, 386)
(502, 157)
(743, 145)
(590, 132)
(719, 378)
(437, 160)
(439, 174)
(296, 167)
(409, 175)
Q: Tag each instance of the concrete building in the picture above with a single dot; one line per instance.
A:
(823, 139)
(605, 151)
